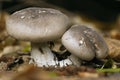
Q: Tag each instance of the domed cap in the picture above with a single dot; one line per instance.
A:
(37, 24)
(78, 44)
(85, 42)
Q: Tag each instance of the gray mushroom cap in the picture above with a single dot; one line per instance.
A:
(78, 44)
(85, 43)
(37, 24)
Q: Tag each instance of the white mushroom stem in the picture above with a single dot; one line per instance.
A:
(71, 60)
(42, 55)
(75, 60)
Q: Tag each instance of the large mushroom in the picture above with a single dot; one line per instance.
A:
(39, 25)
(85, 43)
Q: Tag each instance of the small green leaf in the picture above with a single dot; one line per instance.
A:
(108, 70)
(27, 49)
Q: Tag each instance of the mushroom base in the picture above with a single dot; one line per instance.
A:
(42, 56)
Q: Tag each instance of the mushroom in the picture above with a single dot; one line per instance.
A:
(85, 43)
(38, 25)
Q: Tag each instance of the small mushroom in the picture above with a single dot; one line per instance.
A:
(85, 43)
(38, 25)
